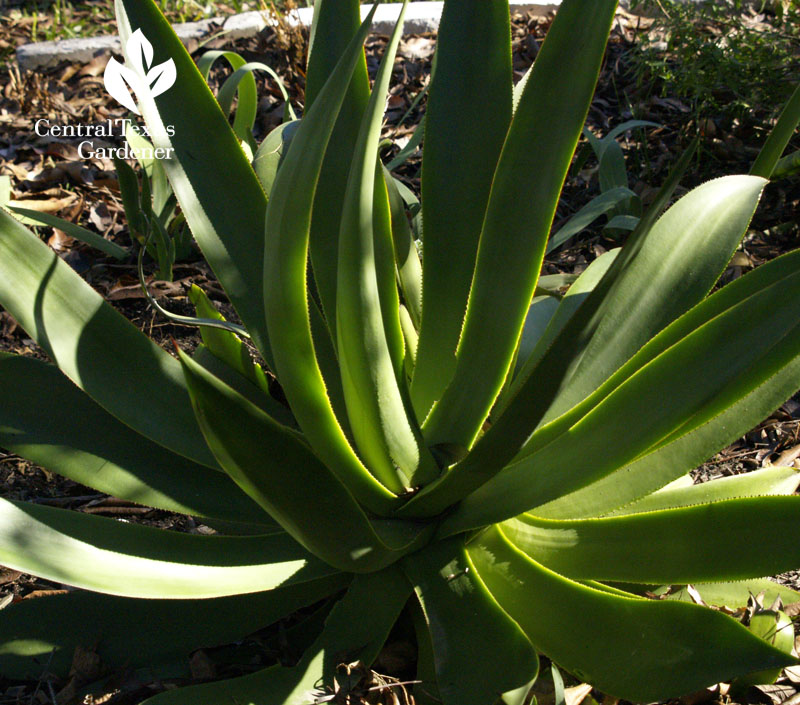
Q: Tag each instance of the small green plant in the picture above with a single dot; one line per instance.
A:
(707, 55)
(419, 460)
(149, 202)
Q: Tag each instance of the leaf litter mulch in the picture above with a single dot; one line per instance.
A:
(48, 174)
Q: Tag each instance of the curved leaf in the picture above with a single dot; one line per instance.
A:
(80, 440)
(354, 631)
(273, 465)
(719, 541)
(637, 649)
(758, 483)
(335, 23)
(94, 345)
(709, 361)
(457, 169)
(286, 296)
(387, 438)
(139, 561)
(525, 190)
(463, 618)
(129, 632)
(226, 216)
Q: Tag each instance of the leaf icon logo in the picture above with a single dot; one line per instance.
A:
(137, 76)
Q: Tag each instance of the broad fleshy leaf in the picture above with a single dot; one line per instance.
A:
(78, 439)
(698, 367)
(94, 345)
(130, 632)
(457, 169)
(700, 543)
(524, 195)
(286, 295)
(463, 618)
(226, 216)
(386, 435)
(139, 561)
(633, 648)
(273, 465)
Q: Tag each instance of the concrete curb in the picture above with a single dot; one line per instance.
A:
(420, 17)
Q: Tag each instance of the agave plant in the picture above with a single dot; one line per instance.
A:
(507, 471)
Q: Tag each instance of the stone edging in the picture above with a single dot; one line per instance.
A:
(421, 17)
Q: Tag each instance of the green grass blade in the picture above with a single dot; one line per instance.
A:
(132, 560)
(525, 191)
(779, 137)
(78, 439)
(355, 630)
(372, 376)
(226, 216)
(601, 205)
(246, 107)
(787, 166)
(462, 146)
(633, 648)
(463, 618)
(76, 231)
(286, 295)
(134, 633)
(682, 545)
(94, 345)
(278, 470)
(335, 23)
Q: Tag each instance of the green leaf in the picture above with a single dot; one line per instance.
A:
(76, 231)
(162, 196)
(704, 542)
(94, 345)
(767, 481)
(632, 648)
(703, 363)
(139, 561)
(387, 437)
(225, 344)
(625, 309)
(683, 254)
(500, 443)
(409, 269)
(462, 146)
(289, 481)
(355, 630)
(243, 87)
(271, 152)
(779, 137)
(335, 23)
(226, 216)
(600, 205)
(463, 618)
(737, 594)
(80, 440)
(787, 166)
(130, 632)
(525, 191)
(570, 303)
(286, 296)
